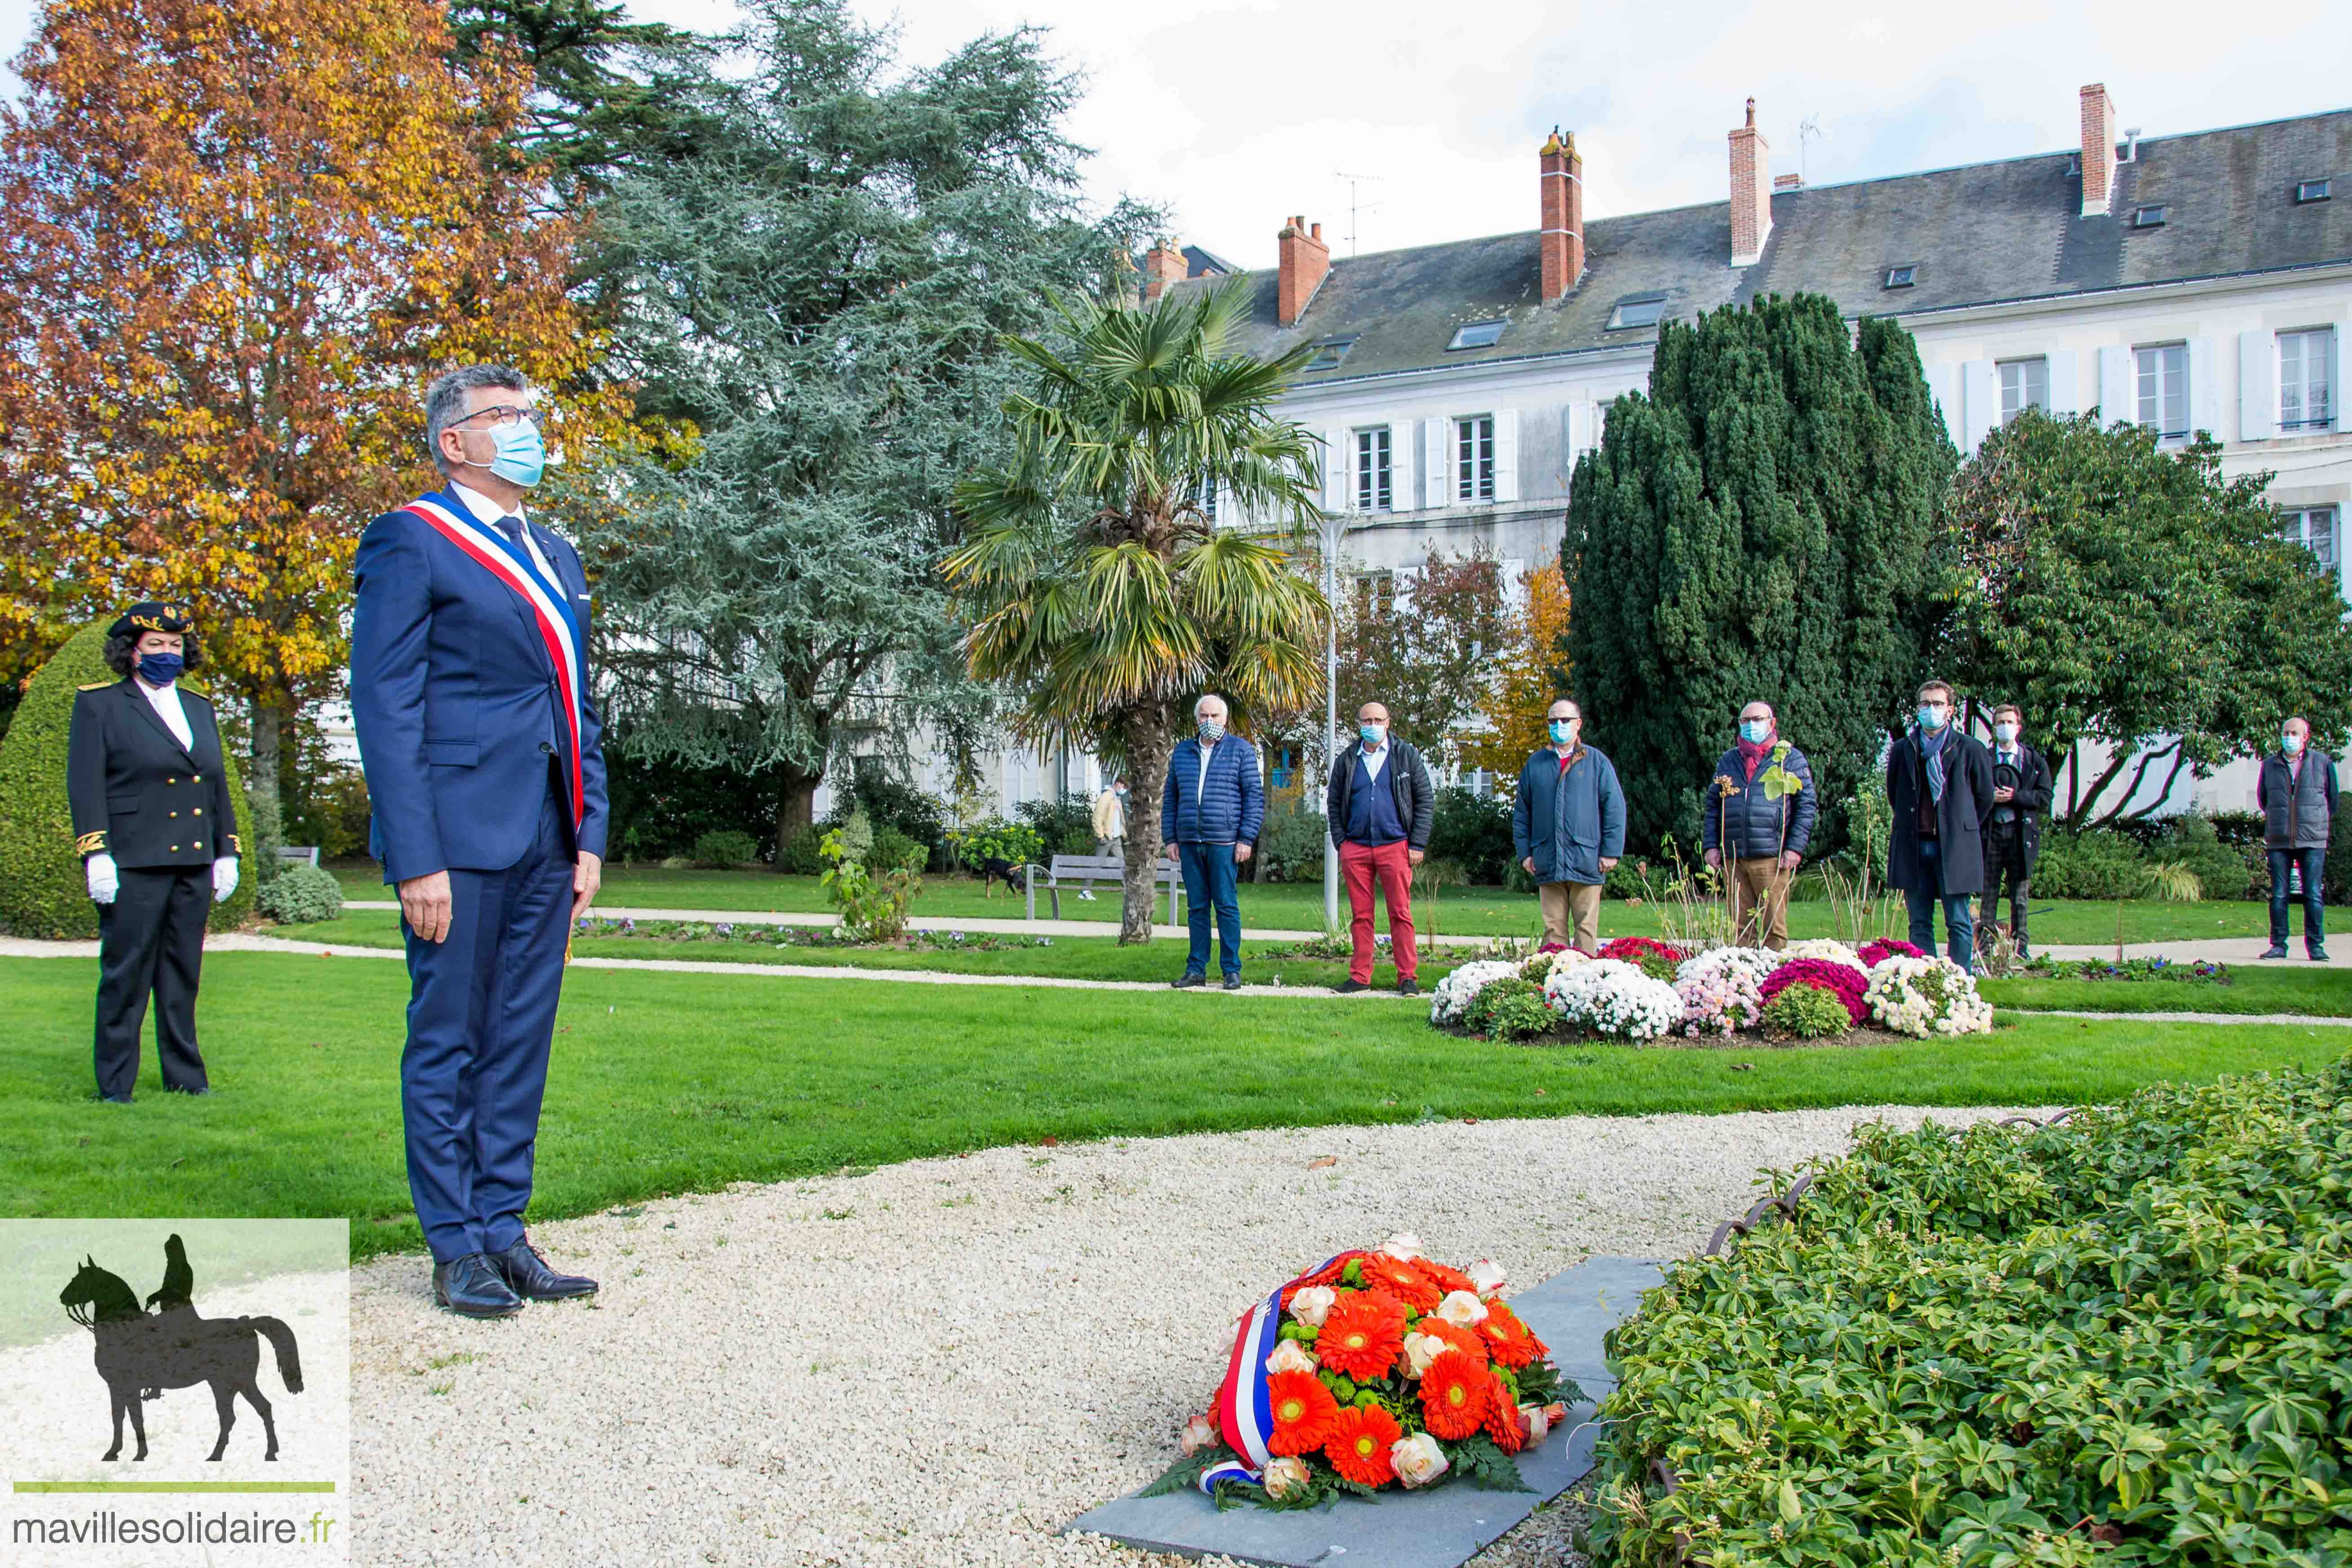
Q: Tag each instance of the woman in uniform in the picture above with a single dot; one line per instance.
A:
(157, 835)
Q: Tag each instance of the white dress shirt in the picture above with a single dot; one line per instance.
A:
(487, 512)
(1374, 761)
(165, 700)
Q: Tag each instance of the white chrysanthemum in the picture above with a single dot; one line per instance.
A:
(1829, 948)
(1924, 996)
(1455, 993)
(1755, 963)
(1611, 997)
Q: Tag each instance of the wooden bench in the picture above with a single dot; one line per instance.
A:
(308, 854)
(1086, 870)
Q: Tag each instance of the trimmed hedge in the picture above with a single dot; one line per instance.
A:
(43, 891)
(302, 895)
(2122, 1339)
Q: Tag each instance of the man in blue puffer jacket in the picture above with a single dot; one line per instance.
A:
(1567, 826)
(1751, 817)
(1210, 812)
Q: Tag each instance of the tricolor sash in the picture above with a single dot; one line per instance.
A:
(551, 609)
(1244, 1412)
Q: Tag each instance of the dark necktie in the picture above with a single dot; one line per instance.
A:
(512, 528)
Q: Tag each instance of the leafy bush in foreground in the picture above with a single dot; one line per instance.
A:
(2123, 1340)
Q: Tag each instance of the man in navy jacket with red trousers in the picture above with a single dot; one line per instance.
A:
(486, 771)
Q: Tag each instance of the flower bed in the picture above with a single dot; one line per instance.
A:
(1378, 1368)
(1614, 999)
(1839, 978)
(1451, 997)
(1924, 996)
(2197, 972)
(1656, 959)
(759, 933)
(2110, 1340)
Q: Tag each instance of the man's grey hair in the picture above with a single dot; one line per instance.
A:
(445, 400)
(1210, 697)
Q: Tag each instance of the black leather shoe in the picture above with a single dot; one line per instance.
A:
(118, 1099)
(2273, 951)
(1349, 986)
(1188, 980)
(1408, 988)
(2318, 955)
(523, 1267)
(472, 1286)
(1233, 982)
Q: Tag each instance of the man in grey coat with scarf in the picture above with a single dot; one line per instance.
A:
(1940, 783)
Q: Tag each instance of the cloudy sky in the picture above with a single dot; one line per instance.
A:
(1234, 115)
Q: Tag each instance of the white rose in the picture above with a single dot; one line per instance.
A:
(1534, 1421)
(1419, 1350)
(1200, 1432)
(1311, 1305)
(1487, 1275)
(1285, 1475)
(1418, 1459)
(1404, 1245)
(1462, 1310)
(1290, 1356)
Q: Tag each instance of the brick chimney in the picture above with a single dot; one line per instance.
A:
(1751, 192)
(1561, 242)
(1164, 264)
(2099, 150)
(1305, 259)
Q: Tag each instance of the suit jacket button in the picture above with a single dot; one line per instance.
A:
(547, 748)
(200, 844)
(200, 811)
(175, 814)
(171, 781)
(175, 849)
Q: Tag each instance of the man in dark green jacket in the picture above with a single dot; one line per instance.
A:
(1568, 828)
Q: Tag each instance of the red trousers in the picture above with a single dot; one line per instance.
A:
(1359, 864)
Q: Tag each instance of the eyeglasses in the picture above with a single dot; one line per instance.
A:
(503, 413)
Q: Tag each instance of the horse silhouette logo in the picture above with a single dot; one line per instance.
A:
(140, 1353)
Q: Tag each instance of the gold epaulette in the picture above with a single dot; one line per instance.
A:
(91, 843)
(195, 692)
(235, 848)
(96, 685)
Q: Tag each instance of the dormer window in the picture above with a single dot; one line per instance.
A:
(1641, 311)
(2149, 218)
(2309, 191)
(1477, 335)
(1327, 356)
(1903, 276)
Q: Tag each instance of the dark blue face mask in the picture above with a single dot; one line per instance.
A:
(160, 668)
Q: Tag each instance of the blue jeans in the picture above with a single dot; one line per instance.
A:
(1209, 879)
(2314, 923)
(1960, 926)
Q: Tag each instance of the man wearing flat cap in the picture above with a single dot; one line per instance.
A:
(157, 834)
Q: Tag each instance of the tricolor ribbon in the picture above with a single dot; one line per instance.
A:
(558, 628)
(1244, 1412)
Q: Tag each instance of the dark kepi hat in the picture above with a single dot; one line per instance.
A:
(148, 615)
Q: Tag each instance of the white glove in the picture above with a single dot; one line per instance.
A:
(223, 878)
(102, 879)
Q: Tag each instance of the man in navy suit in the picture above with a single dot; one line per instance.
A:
(486, 771)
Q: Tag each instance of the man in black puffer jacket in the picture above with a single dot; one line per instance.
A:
(1757, 813)
(1381, 807)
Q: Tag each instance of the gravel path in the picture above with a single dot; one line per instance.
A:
(943, 1362)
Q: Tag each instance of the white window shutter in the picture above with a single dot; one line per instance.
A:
(2339, 386)
(1980, 403)
(2116, 400)
(1339, 469)
(1401, 467)
(2204, 386)
(1515, 589)
(1506, 455)
(1580, 431)
(2065, 384)
(2257, 387)
(1955, 403)
(1436, 462)
(1407, 578)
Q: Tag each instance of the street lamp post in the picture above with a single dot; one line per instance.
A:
(1334, 529)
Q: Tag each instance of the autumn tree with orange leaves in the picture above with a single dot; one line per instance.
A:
(243, 234)
(1531, 674)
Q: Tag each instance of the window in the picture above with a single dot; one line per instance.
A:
(2164, 390)
(2148, 217)
(1902, 277)
(2306, 367)
(1327, 356)
(2308, 191)
(1644, 310)
(1372, 492)
(1206, 500)
(1477, 335)
(2024, 383)
(2314, 528)
(1473, 458)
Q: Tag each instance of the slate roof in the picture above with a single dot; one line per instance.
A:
(1979, 234)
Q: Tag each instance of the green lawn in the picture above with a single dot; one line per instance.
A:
(2312, 991)
(1295, 906)
(676, 1083)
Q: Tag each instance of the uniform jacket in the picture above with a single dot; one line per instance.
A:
(1749, 823)
(2035, 788)
(1233, 807)
(1961, 816)
(2295, 814)
(1407, 776)
(1568, 822)
(456, 704)
(136, 792)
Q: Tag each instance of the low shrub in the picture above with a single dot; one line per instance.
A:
(726, 847)
(997, 839)
(872, 900)
(2094, 864)
(893, 850)
(1624, 880)
(301, 895)
(1808, 1010)
(1291, 846)
(1475, 829)
(2112, 1340)
(1064, 827)
(1842, 981)
(1509, 1009)
(799, 856)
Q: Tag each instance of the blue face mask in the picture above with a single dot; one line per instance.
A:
(1932, 718)
(1563, 731)
(161, 668)
(2290, 744)
(1212, 731)
(522, 456)
(1755, 731)
(1372, 734)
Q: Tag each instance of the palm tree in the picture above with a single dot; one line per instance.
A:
(1090, 576)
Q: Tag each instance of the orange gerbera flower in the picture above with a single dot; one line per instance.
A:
(1502, 1418)
(1327, 1275)
(1362, 1334)
(1460, 1339)
(1454, 1395)
(1514, 1345)
(1444, 1276)
(1302, 1409)
(1360, 1443)
(1403, 1280)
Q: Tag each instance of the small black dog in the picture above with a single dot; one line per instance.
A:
(995, 869)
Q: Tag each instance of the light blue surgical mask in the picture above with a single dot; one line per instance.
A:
(1372, 735)
(2290, 744)
(2005, 732)
(1755, 732)
(1932, 718)
(521, 455)
(1563, 731)
(1212, 731)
